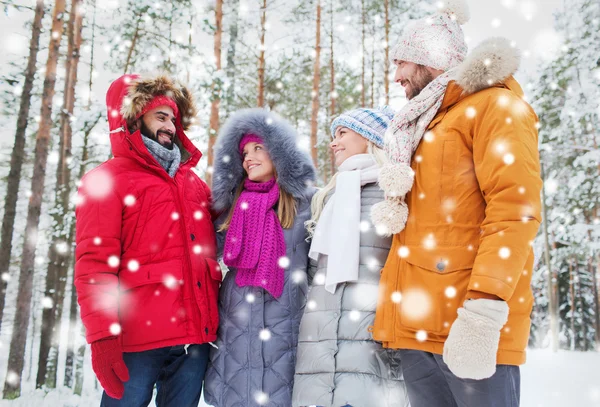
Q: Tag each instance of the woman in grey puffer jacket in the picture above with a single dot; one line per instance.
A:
(259, 314)
(338, 362)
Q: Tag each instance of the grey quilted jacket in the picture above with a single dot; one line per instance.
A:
(338, 362)
(258, 334)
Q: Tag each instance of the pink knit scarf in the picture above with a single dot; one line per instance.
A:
(254, 242)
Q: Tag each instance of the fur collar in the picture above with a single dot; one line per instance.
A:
(490, 63)
(142, 90)
(295, 171)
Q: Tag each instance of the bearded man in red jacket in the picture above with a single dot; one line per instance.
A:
(145, 272)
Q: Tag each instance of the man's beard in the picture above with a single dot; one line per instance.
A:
(419, 81)
(146, 132)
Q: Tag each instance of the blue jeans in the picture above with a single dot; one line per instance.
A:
(178, 377)
(430, 383)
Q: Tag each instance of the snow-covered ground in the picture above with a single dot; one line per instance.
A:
(563, 379)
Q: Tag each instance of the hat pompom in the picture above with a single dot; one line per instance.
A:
(457, 8)
(396, 179)
(389, 216)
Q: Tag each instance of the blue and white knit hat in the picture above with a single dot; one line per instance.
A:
(369, 123)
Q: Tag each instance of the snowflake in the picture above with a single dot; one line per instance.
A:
(496, 22)
(365, 226)
(429, 242)
(416, 304)
(47, 302)
(174, 216)
(133, 265)
(470, 112)
(129, 200)
(354, 315)
(170, 282)
(450, 292)
(421, 336)
(250, 298)
(283, 262)
(403, 252)
(13, 378)
(198, 215)
(298, 276)
(396, 297)
(508, 159)
(261, 398)
(264, 335)
(114, 261)
(98, 184)
(504, 253)
(115, 328)
(311, 305)
(97, 240)
(244, 206)
(197, 249)
(5, 277)
(429, 137)
(319, 279)
(61, 247)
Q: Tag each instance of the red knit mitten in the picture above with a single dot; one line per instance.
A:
(108, 364)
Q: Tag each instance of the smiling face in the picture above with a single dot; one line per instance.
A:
(346, 144)
(257, 162)
(159, 125)
(414, 78)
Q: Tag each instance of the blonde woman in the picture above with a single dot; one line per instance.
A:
(338, 362)
(262, 185)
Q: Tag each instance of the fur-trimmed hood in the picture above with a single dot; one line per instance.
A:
(125, 100)
(142, 89)
(490, 63)
(295, 171)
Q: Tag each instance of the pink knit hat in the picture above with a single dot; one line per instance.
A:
(249, 138)
(436, 41)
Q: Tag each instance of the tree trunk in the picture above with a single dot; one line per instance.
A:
(552, 291)
(596, 301)
(59, 252)
(332, 93)
(215, 91)
(572, 302)
(17, 156)
(364, 55)
(373, 71)
(386, 64)
(231, 50)
(73, 311)
(315, 90)
(12, 385)
(133, 41)
(261, 59)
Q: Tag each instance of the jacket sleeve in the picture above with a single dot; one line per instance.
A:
(505, 152)
(97, 255)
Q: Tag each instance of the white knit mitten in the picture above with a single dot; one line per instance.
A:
(472, 344)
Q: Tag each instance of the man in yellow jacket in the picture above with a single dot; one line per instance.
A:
(463, 203)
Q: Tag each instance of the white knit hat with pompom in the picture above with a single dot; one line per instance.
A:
(436, 41)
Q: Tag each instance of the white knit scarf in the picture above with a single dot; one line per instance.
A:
(337, 233)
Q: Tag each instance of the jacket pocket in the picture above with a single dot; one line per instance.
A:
(132, 275)
(212, 282)
(433, 285)
(151, 306)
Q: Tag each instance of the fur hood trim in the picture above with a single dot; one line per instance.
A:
(295, 171)
(145, 88)
(490, 63)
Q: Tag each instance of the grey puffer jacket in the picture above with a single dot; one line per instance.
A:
(338, 362)
(258, 334)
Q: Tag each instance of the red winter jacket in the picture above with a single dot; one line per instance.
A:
(145, 257)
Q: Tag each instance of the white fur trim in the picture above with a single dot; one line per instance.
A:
(472, 344)
(491, 62)
(389, 216)
(396, 179)
(457, 8)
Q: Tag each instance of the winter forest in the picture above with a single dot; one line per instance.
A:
(308, 61)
